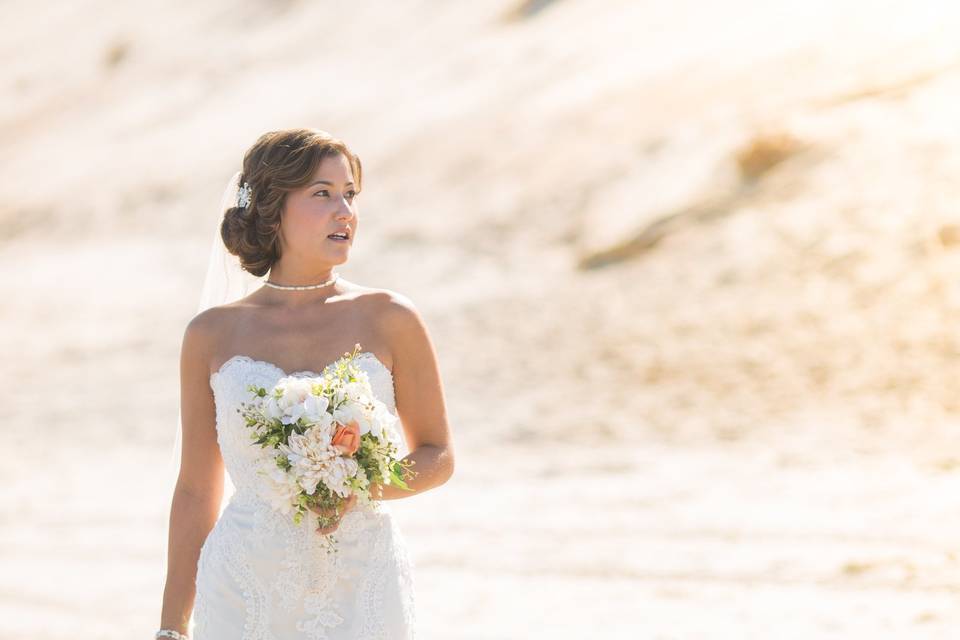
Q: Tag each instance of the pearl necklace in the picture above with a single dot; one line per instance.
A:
(302, 287)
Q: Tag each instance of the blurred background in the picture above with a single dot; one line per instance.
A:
(691, 269)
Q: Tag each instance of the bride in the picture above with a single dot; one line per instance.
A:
(239, 569)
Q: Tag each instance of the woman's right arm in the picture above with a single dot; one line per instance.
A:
(199, 488)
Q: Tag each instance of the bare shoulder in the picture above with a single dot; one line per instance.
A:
(405, 330)
(207, 327)
(385, 305)
(208, 322)
(394, 312)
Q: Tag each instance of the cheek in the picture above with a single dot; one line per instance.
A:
(304, 220)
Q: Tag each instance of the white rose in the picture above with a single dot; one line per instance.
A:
(295, 391)
(296, 401)
(393, 436)
(349, 411)
(292, 414)
(357, 392)
(315, 408)
(280, 489)
(339, 472)
(271, 408)
(385, 421)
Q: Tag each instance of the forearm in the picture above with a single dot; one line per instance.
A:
(191, 519)
(432, 467)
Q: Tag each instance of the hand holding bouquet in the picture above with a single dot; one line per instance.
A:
(326, 439)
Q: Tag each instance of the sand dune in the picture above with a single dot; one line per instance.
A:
(704, 255)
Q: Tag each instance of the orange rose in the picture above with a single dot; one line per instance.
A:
(347, 438)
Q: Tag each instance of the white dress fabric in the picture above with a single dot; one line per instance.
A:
(260, 576)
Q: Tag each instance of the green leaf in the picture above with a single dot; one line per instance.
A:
(398, 480)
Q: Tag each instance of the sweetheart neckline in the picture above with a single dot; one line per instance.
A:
(241, 357)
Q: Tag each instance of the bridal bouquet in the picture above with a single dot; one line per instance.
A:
(325, 438)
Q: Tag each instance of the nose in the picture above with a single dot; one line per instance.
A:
(345, 211)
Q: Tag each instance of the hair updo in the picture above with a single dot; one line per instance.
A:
(277, 163)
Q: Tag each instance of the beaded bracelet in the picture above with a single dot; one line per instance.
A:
(170, 633)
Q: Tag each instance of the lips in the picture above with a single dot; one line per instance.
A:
(343, 234)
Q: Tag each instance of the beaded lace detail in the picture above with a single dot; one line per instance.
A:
(298, 592)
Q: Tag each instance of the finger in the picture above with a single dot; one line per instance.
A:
(321, 510)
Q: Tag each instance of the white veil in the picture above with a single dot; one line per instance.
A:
(225, 282)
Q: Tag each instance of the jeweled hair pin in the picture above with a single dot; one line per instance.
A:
(243, 195)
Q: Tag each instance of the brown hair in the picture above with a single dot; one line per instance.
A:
(277, 163)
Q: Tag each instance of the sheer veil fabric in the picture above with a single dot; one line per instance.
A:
(225, 282)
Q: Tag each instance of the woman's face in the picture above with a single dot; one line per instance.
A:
(312, 213)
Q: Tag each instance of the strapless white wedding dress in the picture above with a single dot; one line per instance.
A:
(262, 577)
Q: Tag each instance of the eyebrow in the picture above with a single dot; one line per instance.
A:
(327, 182)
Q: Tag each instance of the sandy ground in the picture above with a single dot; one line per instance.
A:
(703, 258)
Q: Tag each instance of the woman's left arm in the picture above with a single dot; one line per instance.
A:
(419, 399)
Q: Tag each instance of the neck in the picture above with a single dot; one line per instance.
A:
(299, 277)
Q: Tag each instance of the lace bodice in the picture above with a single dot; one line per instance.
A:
(289, 586)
